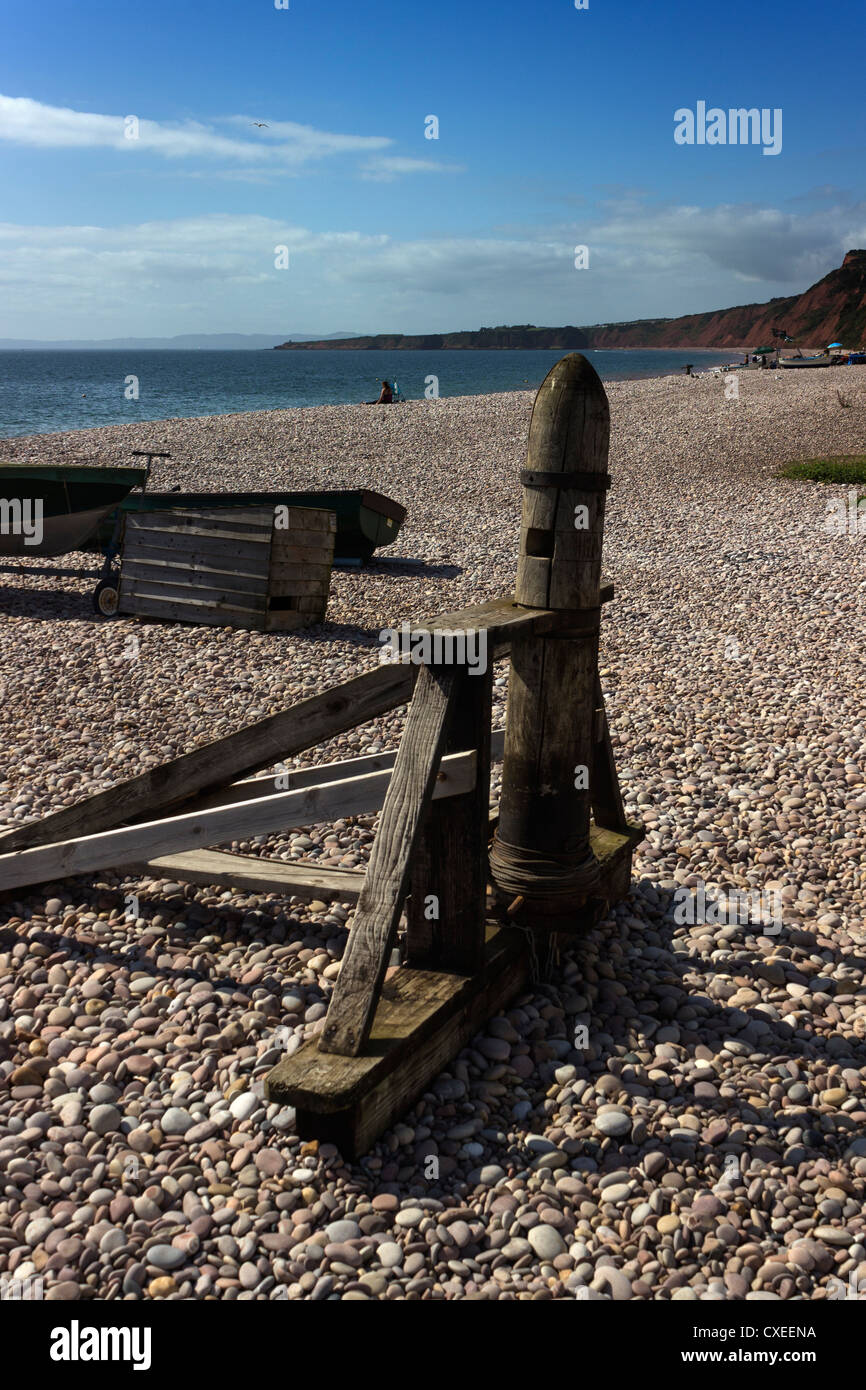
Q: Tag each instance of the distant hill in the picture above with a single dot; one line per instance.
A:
(522, 336)
(832, 310)
(192, 342)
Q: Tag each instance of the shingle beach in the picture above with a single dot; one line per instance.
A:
(710, 1141)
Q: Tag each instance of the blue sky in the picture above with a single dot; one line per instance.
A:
(555, 129)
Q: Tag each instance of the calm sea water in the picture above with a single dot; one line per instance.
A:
(45, 392)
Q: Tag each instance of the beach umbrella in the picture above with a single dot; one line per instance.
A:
(832, 345)
(757, 352)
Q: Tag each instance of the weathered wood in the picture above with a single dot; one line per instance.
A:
(344, 706)
(299, 551)
(560, 563)
(500, 620)
(279, 736)
(228, 566)
(317, 572)
(246, 873)
(168, 572)
(210, 614)
(308, 519)
(190, 592)
(353, 1002)
(352, 796)
(541, 850)
(446, 910)
(607, 807)
(293, 778)
(171, 543)
(423, 1018)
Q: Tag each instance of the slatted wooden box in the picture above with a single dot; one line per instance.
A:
(253, 567)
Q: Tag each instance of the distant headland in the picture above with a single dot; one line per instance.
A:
(834, 308)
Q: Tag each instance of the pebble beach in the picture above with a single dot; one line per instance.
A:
(709, 1142)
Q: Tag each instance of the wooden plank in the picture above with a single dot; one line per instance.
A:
(423, 1018)
(332, 711)
(253, 787)
(505, 619)
(198, 576)
(447, 907)
(312, 538)
(187, 611)
(309, 519)
(311, 587)
(179, 592)
(352, 796)
(281, 735)
(607, 806)
(225, 518)
(245, 873)
(163, 545)
(225, 523)
(353, 1002)
(283, 572)
(301, 554)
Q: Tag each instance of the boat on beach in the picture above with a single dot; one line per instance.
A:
(365, 520)
(819, 361)
(70, 502)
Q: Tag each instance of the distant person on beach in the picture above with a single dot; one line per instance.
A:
(688, 369)
(386, 396)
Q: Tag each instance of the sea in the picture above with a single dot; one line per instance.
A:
(48, 391)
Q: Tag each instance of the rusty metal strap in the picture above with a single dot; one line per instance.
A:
(586, 482)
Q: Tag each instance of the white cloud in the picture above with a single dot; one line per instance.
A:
(285, 143)
(385, 168)
(217, 272)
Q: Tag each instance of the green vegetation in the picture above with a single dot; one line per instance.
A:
(841, 468)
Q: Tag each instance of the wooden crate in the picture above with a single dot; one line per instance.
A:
(250, 567)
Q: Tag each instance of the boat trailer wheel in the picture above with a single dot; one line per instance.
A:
(105, 596)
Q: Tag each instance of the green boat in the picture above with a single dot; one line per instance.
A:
(365, 520)
(60, 506)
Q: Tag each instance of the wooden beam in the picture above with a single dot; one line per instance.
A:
(352, 796)
(296, 777)
(353, 1002)
(502, 619)
(302, 726)
(607, 807)
(248, 873)
(450, 863)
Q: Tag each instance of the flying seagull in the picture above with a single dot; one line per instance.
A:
(261, 124)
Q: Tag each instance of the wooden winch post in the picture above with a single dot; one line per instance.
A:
(562, 837)
(562, 848)
(541, 851)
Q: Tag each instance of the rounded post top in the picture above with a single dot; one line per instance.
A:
(572, 371)
(570, 418)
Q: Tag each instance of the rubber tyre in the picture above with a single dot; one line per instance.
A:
(105, 597)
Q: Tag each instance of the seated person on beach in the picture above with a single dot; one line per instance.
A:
(386, 396)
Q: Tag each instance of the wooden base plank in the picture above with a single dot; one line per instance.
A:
(423, 1018)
